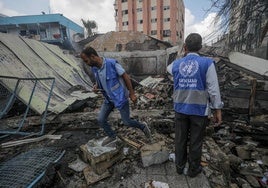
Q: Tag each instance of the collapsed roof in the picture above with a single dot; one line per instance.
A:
(28, 68)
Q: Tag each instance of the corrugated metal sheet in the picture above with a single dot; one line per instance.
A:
(27, 58)
(251, 63)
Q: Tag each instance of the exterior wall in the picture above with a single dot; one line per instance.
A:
(141, 63)
(162, 19)
(14, 31)
(139, 16)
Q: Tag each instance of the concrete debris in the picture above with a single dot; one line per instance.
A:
(156, 184)
(234, 154)
(78, 165)
(99, 157)
(151, 82)
(91, 177)
(155, 153)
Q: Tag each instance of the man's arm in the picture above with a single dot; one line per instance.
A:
(169, 68)
(128, 83)
(214, 93)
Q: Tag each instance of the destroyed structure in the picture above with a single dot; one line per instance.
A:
(69, 154)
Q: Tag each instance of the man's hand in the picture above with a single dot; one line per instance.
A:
(95, 88)
(133, 97)
(217, 118)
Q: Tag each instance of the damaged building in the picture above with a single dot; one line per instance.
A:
(69, 153)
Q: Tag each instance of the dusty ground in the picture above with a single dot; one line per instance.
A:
(73, 136)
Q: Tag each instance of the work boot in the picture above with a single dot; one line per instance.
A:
(146, 130)
(193, 172)
(180, 169)
(108, 140)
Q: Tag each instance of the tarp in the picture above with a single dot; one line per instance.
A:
(28, 58)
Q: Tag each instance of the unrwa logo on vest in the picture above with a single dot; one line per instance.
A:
(188, 68)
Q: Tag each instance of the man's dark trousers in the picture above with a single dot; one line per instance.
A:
(192, 128)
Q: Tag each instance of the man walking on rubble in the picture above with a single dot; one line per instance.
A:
(196, 89)
(116, 87)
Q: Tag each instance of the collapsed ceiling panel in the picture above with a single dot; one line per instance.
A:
(31, 60)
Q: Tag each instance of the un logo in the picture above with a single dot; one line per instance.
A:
(188, 68)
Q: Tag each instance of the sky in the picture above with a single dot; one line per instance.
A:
(197, 17)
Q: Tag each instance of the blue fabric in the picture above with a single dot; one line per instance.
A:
(190, 74)
(113, 90)
(107, 108)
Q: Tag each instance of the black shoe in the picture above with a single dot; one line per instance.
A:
(194, 172)
(179, 169)
(146, 131)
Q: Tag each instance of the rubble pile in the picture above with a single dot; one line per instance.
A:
(235, 154)
(237, 159)
(243, 93)
(155, 93)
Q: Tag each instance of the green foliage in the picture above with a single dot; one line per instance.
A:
(89, 25)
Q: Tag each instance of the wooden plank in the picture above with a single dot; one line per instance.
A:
(252, 98)
(30, 140)
(130, 142)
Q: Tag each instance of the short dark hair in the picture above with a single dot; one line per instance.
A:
(88, 51)
(193, 42)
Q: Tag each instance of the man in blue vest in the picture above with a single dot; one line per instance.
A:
(196, 91)
(116, 87)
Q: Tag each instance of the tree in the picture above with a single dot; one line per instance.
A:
(245, 21)
(89, 25)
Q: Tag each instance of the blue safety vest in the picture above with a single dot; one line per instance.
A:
(116, 92)
(190, 93)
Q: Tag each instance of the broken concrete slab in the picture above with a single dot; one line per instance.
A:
(91, 177)
(78, 165)
(155, 153)
(156, 184)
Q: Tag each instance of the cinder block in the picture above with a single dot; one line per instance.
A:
(101, 158)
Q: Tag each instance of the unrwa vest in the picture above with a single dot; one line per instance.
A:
(190, 94)
(116, 92)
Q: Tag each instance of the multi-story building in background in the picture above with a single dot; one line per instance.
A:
(161, 19)
(248, 27)
(50, 28)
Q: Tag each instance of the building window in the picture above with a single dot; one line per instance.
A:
(140, 21)
(166, 19)
(154, 32)
(124, 12)
(124, 1)
(153, 20)
(153, 8)
(139, 9)
(125, 23)
(166, 33)
(166, 7)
